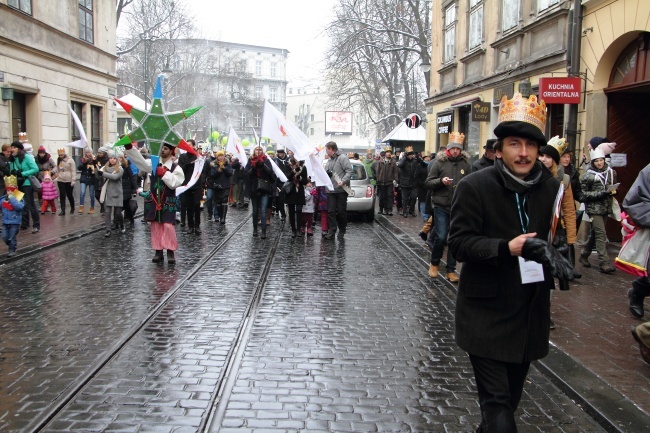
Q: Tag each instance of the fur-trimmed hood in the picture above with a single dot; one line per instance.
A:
(442, 155)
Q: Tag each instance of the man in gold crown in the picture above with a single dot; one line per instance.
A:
(500, 219)
(12, 207)
(449, 167)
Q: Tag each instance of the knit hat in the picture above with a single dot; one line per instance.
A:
(597, 141)
(219, 153)
(102, 149)
(41, 149)
(554, 148)
(18, 145)
(46, 175)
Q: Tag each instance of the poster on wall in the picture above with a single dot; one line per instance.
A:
(338, 122)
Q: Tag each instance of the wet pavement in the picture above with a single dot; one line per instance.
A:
(325, 336)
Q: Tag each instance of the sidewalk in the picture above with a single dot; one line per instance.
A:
(593, 351)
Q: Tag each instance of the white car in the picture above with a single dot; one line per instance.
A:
(361, 198)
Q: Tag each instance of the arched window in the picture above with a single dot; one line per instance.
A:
(633, 65)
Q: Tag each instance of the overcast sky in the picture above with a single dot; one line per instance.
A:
(295, 25)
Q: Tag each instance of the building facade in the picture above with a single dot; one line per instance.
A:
(55, 55)
(309, 108)
(616, 62)
(482, 50)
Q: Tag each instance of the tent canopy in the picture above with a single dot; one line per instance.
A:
(403, 133)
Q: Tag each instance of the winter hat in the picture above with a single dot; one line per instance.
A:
(554, 148)
(41, 149)
(102, 149)
(18, 145)
(607, 148)
(596, 154)
(456, 140)
(46, 175)
(219, 153)
(597, 141)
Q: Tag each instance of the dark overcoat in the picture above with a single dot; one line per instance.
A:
(497, 316)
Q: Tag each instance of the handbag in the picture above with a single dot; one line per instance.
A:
(133, 205)
(616, 210)
(36, 184)
(286, 187)
(263, 185)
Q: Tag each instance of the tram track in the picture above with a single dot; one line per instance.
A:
(224, 383)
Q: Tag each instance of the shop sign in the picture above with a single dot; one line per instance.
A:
(481, 111)
(506, 89)
(564, 90)
(444, 122)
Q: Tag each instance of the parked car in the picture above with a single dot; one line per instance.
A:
(361, 198)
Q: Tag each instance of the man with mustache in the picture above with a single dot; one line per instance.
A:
(500, 218)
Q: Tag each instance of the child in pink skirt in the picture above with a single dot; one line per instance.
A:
(50, 193)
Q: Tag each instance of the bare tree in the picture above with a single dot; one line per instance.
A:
(119, 7)
(376, 47)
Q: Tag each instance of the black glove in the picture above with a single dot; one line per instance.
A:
(329, 173)
(15, 173)
(259, 163)
(540, 251)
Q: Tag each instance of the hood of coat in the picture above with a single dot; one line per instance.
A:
(442, 156)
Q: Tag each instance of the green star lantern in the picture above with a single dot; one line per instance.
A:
(156, 126)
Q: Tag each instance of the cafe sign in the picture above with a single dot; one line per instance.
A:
(564, 90)
(444, 122)
(481, 111)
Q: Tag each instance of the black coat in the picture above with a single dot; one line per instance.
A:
(498, 317)
(481, 163)
(406, 168)
(297, 193)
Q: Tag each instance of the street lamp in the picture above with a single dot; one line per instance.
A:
(426, 70)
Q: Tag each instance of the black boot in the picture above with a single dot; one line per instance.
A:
(222, 213)
(572, 259)
(636, 295)
(170, 257)
(158, 257)
(263, 233)
(255, 231)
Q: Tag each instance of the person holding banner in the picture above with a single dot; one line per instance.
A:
(339, 169)
(160, 200)
(259, 172)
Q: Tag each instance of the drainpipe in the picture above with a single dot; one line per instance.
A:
(574, 71)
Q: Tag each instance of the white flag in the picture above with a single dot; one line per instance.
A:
(278, 172)
(196, 174)
(317, 172)
(235, 147)
(276, 127)
(82, 142)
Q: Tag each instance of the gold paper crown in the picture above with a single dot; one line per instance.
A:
(22, 137)
(456, 137)
(60, 150)
(523, 110)
(558, 144)
(408, 149)
(11, 181)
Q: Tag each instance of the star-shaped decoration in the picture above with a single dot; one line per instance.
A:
(156, 126)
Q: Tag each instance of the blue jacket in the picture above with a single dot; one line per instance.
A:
(14, 216)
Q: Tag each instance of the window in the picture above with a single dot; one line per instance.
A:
(475, 23)
(311, 118)
(258, 67)
(97, 125)
(258, 120)
(274, 67)
(545, 4)
(450, 34)
(258, 92)
(242, 120)
(510, 14)
(86, 20)
(311, 131)
(22, 5)
(273, 92)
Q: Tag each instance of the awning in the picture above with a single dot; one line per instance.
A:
(465, 101)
